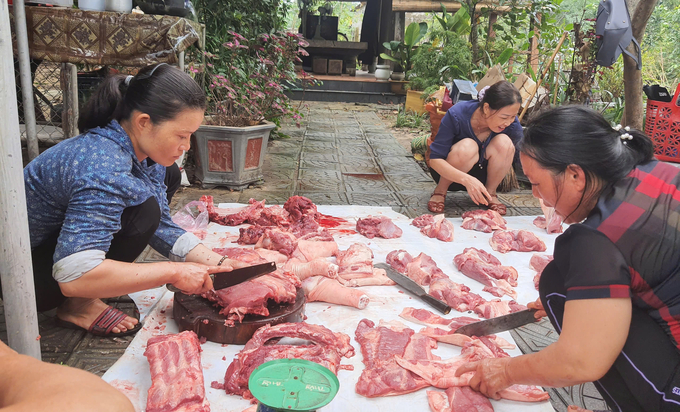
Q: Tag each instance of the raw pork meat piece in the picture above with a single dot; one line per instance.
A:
(250, 235)
(272, 256)
(422, 221)
(276, 239)
(456, 295)
(381, 226)
(446, 336)
(398, 259)
(176, 374)
(379, 346)
(458, 399)
(308, 250)
(550, 221)
(356, 267)
(317, 267)
(272, 216)
(497, 307)
(326, 348)
(233, 217)
(427, 318)
(251, 297)
(483, 220)
(518, 240)
(323, 289)
(437, 373)
(244, 255)
(298, 206)
(538, 263)
(320, 235)
(305, 225)
(424, 270)
(487, 270)
(440, 229)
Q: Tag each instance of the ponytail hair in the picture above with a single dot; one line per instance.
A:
(499, 95)
(559, 137)
(161, 91)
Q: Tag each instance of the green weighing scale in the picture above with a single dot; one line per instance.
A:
(292, 385)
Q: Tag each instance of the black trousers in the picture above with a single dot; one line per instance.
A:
(476, 171)
(138, 224)
(646, 375)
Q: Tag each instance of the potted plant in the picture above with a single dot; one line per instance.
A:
(246, 101)
(401, 52)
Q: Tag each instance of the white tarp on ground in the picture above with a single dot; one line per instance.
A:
(131, 372)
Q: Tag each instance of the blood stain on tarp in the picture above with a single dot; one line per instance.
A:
(330, 221)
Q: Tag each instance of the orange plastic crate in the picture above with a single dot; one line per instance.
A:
(662, 125)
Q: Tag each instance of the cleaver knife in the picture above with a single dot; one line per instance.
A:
(408, 284)
(223, 280)
(498, 324)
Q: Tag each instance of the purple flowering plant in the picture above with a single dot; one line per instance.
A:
(246, 82)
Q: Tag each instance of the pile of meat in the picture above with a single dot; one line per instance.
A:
(399, 361)
(176, 374)
(322, 346)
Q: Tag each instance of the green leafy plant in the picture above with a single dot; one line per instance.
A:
(411, 120)
(440, 62)
(459, 22)
(402, 52)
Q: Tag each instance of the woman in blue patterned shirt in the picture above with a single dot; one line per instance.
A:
(95, 201)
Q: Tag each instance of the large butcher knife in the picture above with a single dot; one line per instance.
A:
(499, 323)
(408, 284)
(223, 280)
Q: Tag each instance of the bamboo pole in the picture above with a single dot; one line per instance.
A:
(26, 79)
(16, 271)
(557, 82)
(545, 70)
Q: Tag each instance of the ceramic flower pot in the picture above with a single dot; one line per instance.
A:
(382, 72)
(397, 76)
(231, 156)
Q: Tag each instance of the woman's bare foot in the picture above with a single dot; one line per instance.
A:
(496, 205)
(437, 202)
(84, 311)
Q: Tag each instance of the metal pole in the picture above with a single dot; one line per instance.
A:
(16, 271)
(181, 61)
(26, 80)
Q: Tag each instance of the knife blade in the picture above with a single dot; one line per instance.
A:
(498, 324)
(408, 284)
(222, 280)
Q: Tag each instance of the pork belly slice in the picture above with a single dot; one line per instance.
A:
(458, 399)
(427, 318)
(446, 336)
(323, 289)
(497, 307)
(380, 345)
(380, 226)
(325, 348)
(252, 297)
(456, 295)
(424, 270)
(483, 221)
(516, 240)
(176, 374)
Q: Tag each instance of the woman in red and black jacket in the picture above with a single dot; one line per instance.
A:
(613, 289)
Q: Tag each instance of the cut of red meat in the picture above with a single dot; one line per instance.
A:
(466, 400)
(423, 220)
(518, 240)
(485, 268)
(250, 235)
(456, 295)
(446, 336)
(326, 348)
(317, 267)
(276, 239)
(381, 226)
(321, 235)
(247, 256)
(497, 307)
(356, 267)
(272, 256)
(483, 220)
(308, 250)
(323, 289)
(299, 206)
(424, 270)
(551, 222)
(305, 225)
(538, 263)
(440, 229)
(428, 318)
(176, 374)
(398, 259)
(251, 297)
(233, 217)
(272, 216)
(380, 345)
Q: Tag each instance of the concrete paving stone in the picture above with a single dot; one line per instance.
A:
(414, 198)
(373, 199)
(314, 149)
(410, 181)
(272, 197)
(277, 185)
(323, 134)
(353, 169)
(332, 175)
(319, 185)
(91, 343)
(519, 199)
(353, 151)
(283, 175)
(319, 157)
(363, 159)
(523, 211)
(390, 150)
(319, 165)
(367, 183)
(95, 362)
(378, 135)
(349, 123)
(56, 358)
(407, 211)
(316, 144)
(321, 198)
(342, 143)
(281, 149)
(350, 135)
(56, 339)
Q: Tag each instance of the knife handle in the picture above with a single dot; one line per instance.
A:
(437, 304)
(175, 289)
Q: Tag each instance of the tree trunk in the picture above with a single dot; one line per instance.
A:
(640, 12)
(472, 6)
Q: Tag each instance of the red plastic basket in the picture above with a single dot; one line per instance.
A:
(662, 125)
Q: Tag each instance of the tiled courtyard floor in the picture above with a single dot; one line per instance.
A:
(343, 154)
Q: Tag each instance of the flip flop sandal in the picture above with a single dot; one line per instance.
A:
(498, 207)
(437, 207)
(104, 324)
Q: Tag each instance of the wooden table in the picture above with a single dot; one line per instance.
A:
(347, 51)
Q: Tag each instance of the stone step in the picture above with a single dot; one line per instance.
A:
(346, 96)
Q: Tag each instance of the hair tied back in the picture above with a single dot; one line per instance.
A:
(625, 135)
(481, 93)
(128, 79)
